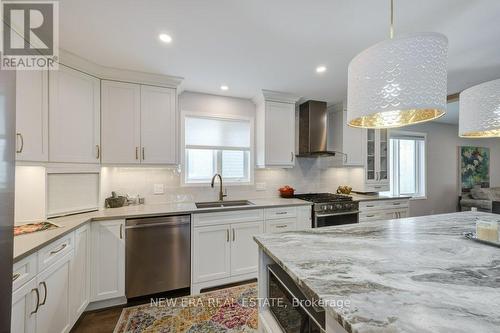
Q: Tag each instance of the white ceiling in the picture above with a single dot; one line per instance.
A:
(274, 44)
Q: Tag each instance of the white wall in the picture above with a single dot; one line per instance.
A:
(442, 167)
(30, 194)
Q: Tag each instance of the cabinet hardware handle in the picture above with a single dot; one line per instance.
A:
(37, 301)
(136, 153)
(370, 215)
(22, 143)
(280, 213)
(234, 235)
(396, 203)
(59, 249)
(45, 290)
(291, 154)
(143, 155)
(370, 206)
(281, 226)
(121, 231)
(227, 235)
(98, 155)
(15, 276)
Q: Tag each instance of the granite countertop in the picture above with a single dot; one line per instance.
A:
(409, 275)
(26, 244)
(373, 197)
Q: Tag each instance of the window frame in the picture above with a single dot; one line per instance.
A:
(217, 150)
(420, 163)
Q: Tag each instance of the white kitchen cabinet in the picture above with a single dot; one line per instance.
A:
(53, 315)
(377, 210)
(74, 116)
(211, 253)
(24, 307)
(304, 217)
(158, 125)
(244, 250)
(80, 273)
(108, 260)
(121, 122)
(139, 124)
(376, 154)
(281, 225)
(275, 130)
(32, 105)
(343, 138)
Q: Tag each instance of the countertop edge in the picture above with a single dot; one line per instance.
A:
(64, 230)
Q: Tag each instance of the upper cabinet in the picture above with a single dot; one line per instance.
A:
(32, 115)
(376, 155)
(139, 124)
(344, 138)
(275, 130)
(74, 117)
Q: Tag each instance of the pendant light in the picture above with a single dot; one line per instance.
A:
(398, 82)
(479, 115)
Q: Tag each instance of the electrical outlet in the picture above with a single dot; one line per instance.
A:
(260, 186)
(158, 189)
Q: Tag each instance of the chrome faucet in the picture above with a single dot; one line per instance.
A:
(221, 194)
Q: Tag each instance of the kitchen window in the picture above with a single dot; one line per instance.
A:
(217, 145)
(407, 151)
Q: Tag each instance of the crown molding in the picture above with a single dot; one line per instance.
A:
(276, 96)
(72, 60)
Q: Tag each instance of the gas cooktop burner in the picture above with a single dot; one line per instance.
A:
(323, 197)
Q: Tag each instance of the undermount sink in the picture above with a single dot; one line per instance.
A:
(221, 204)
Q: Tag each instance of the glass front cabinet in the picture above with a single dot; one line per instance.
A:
(376, 153)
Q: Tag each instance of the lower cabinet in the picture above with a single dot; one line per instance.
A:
(24, 307)
(212, 257)
(53, 315)
(108, 260)
(383, 210)
(80, 273)
(244, 251)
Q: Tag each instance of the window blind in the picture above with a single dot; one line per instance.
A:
(217, 133)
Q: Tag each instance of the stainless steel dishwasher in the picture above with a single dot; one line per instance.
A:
(158, 254)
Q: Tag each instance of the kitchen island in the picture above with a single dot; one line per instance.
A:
(409, 275)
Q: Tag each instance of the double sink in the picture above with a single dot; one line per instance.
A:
(222, 204)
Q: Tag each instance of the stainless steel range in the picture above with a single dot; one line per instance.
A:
(331, 209)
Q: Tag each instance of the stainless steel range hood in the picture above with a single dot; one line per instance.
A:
(313, 130)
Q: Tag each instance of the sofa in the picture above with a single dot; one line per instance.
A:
(480, 198)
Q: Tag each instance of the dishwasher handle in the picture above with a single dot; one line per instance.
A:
(164, 224)
(172, 221)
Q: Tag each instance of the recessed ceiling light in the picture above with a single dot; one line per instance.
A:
(320, 69)
(224, 87)
(165, 38)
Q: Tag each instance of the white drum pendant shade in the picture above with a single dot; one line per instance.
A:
(398, 82)
(479, 115)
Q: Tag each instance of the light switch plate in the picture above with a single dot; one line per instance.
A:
(260, 186)
(158, 189)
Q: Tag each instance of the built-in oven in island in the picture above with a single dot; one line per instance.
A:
(294, 312)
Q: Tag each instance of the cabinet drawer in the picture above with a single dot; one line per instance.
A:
(281, 225)
(23, 271)
(383, 204)
(280, 213)
(374, 216)
(234, 216)
(54, 251)
(395, 204)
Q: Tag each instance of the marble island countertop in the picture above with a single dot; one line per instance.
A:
(410, 275)
(29, 243)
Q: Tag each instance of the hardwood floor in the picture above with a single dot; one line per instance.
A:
(104, 321)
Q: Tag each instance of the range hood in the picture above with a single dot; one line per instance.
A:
(313, 130)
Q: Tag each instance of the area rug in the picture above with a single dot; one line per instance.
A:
(231, 310)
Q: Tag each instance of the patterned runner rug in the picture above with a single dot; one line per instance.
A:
(231, 310)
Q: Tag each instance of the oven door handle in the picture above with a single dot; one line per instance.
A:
(338, 214)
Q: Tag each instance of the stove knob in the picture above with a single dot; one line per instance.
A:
(338, 206)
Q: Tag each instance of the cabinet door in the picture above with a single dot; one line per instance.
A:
(108, 260)
(370, 169)
(80, 273)
(121, 119)
(74, 116)
(54, 315)
(24, 306)
(32, 103)
(382, 156)
(244, 251)
(304, 217)
(158, 125)
(280, 134)
(211, 253)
